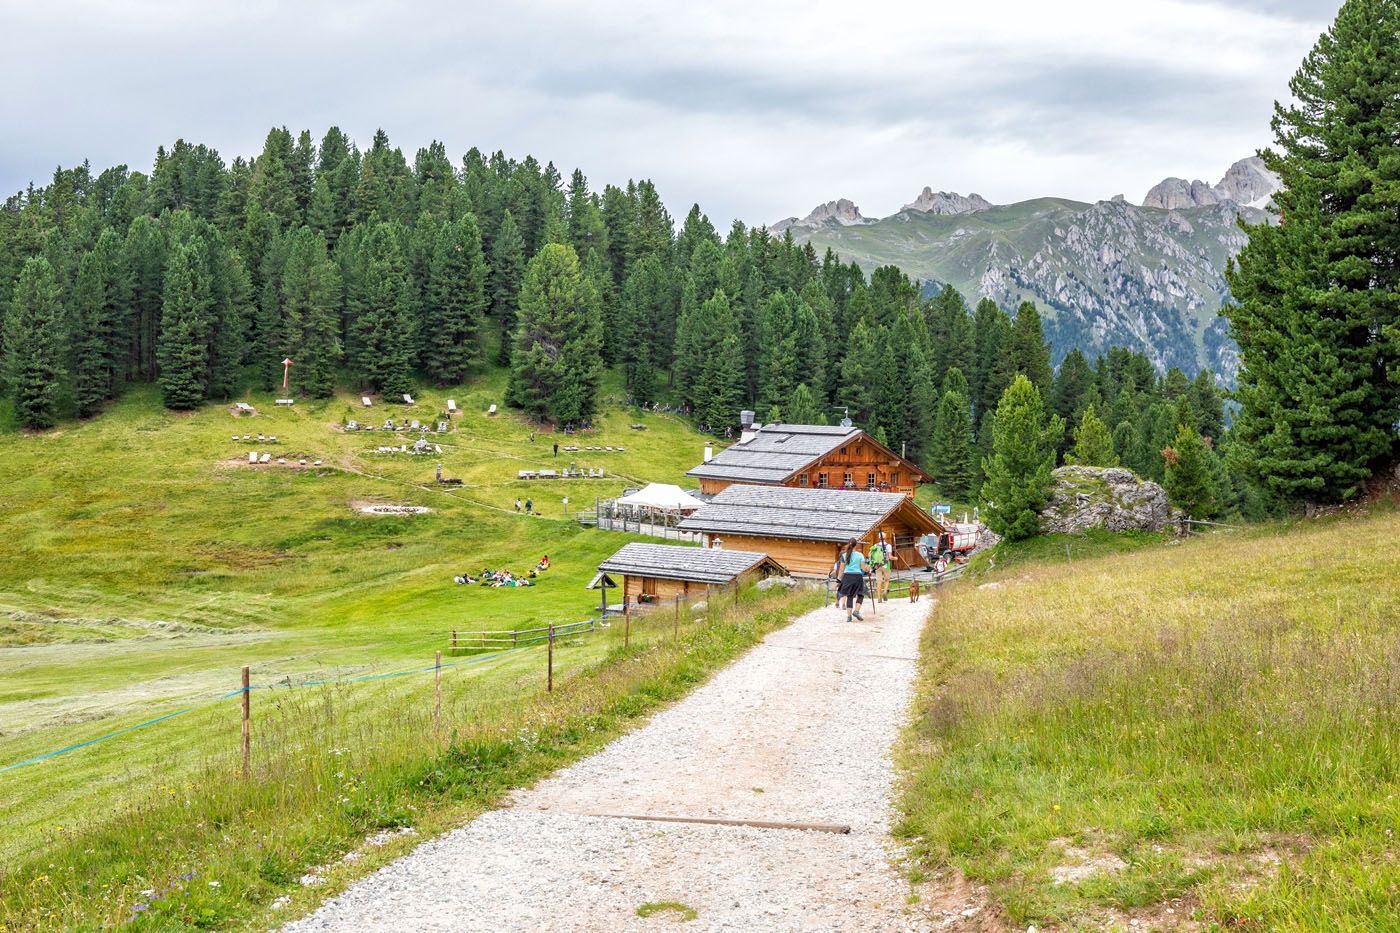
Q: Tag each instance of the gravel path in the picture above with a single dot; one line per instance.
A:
(798, 730)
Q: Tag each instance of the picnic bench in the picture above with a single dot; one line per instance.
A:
(452, 406)
(286, 401)
(408, 399)
(366, 401)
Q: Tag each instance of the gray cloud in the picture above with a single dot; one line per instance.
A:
(756, 111)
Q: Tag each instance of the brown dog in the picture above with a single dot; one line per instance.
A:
(913, 591)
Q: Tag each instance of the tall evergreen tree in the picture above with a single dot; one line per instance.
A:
(556, 368)
(954, 453)
(1030, 354)
(183, 347)
(504, 279)
(991, 359)
(454, 302)
(1019, 472)
(802, 407)
(101, 323)
(380, 326)
(33, 345)
(310, 328)
(1318, 313)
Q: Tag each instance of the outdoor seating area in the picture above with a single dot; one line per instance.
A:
(270, 439)
(440, 427)
(255, 458)
(566, 473)
(419, 447)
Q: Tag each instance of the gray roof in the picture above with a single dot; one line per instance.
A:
(787, 512)
(673, 562)
(776, 452)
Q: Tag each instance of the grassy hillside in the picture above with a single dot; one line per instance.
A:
(146, 562)
(1194, 733)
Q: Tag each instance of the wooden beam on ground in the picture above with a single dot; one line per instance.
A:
(838, 828)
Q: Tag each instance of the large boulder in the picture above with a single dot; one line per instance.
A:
(1111, 498)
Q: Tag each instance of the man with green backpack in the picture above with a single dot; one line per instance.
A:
(880, 560)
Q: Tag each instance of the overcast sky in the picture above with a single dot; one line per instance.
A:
(757, 109)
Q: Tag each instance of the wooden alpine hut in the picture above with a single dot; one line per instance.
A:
(809, 456)
(804, 528)
(660, 572)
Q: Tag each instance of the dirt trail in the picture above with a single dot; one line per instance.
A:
(799, 730)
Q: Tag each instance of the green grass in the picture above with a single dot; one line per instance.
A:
(684, 913)
(147, 562)
(1209, 726)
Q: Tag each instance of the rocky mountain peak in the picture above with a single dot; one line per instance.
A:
(1247, 183)
(947, 202)
(842, 211)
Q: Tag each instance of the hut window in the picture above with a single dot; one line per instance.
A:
(802, 480)
(823, 481)
(870, 481)
(843, 451)
(894, 479)
(850, 479)
(859, 451)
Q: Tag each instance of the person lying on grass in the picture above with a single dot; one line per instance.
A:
(494, 579)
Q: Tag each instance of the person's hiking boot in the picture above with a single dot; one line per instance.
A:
(859, 617)
(848, 617)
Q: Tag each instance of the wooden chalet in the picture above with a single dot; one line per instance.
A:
(813, 456)
(804, 528)
(661, 572)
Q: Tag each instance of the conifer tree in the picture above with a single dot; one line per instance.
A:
(454, 302)
(1030, 354)
(555, 368)
(954, 454)
(503, 280)
(719, 392)
(991, 359)
(380, 327)
(1206, 401)
(182, 351)
(33, 345)
(777, 361)
(1093, 444)
(802, 407)
(1190, 476)
(1318, 313)
(101, 323)
(1019, 472)
(859, 361)
(1124, 439)
(310, 296)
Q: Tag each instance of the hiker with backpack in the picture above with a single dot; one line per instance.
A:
(880, 560)
(850, 568)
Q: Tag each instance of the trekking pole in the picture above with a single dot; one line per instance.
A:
(437, 690)
(549, 687)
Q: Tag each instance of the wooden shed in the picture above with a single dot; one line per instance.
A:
(810, 456)
(804, 528)
(661, 572)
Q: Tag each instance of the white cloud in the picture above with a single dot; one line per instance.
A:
(755, 110)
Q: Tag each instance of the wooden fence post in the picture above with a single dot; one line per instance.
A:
(247, 733)
(678, 617)
(454, 638)
(550, 685)
(626, 622)
(437, 691)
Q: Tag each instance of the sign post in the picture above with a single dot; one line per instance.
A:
(286, 369)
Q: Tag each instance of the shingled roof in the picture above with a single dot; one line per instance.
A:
(800, 514)
(777, 451)
(672, 562)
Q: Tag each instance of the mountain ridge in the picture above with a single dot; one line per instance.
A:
(1149, 277)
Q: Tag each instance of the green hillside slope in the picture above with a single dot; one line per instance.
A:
(1199, 735)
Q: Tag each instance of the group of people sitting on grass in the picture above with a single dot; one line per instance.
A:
(500, 578)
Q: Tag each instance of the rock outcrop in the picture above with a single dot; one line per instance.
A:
(1247, 183)
(842, 211)
(946, 202)
(1110, 498)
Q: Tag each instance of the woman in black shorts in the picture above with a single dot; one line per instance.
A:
(850, 568)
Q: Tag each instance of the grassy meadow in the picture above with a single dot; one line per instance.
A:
(146, 561)
(1195, 734)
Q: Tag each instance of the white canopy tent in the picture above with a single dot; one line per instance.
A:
(661, 497)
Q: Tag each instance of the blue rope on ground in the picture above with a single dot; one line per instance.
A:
(240, 690)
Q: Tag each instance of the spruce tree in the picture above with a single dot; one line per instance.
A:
(1019, 472)
(777, 361)
(34, 346)
(1030, 354)
(182, 350)
(555, 369)
(454, 302)
(503, 281)
(1318, 313)
(991, 359)
(102, 321)
(1093, 444)
(1190, 476)
(380, 327)
(954, 456)
(802, 407)
(310, 296)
